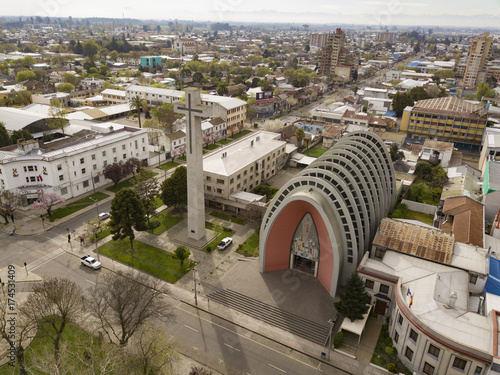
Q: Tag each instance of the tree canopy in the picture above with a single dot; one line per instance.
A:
(174, 189)
(353, 298)
(400, 101)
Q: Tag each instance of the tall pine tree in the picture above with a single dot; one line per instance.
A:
(353, 299)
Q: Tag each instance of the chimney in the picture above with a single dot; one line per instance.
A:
(224, 154)
(251, 143)
(453, 299)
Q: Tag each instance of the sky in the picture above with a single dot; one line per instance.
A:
(479, 13)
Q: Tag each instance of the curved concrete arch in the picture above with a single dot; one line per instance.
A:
(357, 193)
(342, 187)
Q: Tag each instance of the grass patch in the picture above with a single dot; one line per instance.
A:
(224, 216)
(42, 346)
(183, 158)
(146, 258)
(76, 206)
(315, 152)
(224, 141)
(250, 247)
(241, 134)
(385, 354)
(168, 165)
(213, 147)
(268, 191)
(166, 221)
(120, 185)
(424, 218)
(226, 232)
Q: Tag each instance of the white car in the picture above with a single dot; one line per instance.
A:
(104, 215)
(224, 243)
(88, 261)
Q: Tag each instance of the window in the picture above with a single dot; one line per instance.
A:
(83, 170)
(396, 337)
(115, 159)
(384, 289)
(245, 173)
(114, 150)
(231, 181)
(94, 166)
(59, 167)
(434, 351)
(27, 179)
(104, 153)
(369, 284)
(478, 370)
(409, 353)
(93, 156)
(143, 149)
(472, 278)
(61, 177)
(124, 156)
(428, 369)
(219, 191)
(459, 363)
(219, 181)
(86, 183)
(123, 147)
(32, 179)
(96, 179)
(82, 160)
(105, 163)
(400, 319)
(64, 191)
(238, 177)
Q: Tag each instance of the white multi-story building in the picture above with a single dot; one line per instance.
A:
(231, 110)
(70, 170)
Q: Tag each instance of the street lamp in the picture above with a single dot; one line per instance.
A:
(195, 294)
(96, 205)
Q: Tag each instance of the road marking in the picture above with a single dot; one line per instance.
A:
(319, 365)
(195, 348)
(172, 337)
(48, 260)
(249, 339)
(90, 281)
(232, 347)
(277, 368)
(221, 361)
(194, 329)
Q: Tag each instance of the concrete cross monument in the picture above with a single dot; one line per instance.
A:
(194, 111)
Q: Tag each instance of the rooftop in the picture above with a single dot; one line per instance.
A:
(467, 224)
(449, 106)
(412, 239)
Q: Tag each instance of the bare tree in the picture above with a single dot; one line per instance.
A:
(9, 201)
(51, 305)
(127, 301)
(151, 353)
(16, 330)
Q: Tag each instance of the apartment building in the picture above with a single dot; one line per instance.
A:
(232, 110)
(333, 56)
(480, 52)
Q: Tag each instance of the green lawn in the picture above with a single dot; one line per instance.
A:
(226, 232)
(77, 206)
(73, 336)
(156, 262)
(120, 185)
(424, 218)
(213, 147)
(224, 216)
(168, 165)
(251, 246)
(166, 220)
(224, 141)
(241, 134)
(315, 152)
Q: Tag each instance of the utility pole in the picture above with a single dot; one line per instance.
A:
(195, 293)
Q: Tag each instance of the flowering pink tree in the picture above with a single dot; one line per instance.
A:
(47, 201)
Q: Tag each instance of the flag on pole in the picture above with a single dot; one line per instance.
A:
(408, 293)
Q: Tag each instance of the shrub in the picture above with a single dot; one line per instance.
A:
(388, 341)
(338, 339)
(209, 248)
(385, 327)
(391, 367)
(389, 350)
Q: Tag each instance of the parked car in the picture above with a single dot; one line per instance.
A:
(224, 243)
(88, 261)
(104, 215)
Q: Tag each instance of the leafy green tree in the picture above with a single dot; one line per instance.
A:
(5, 139)
(25, 75)
(299, 134)
(483, 90)
(400, 101)
(70, 78)
(181, 253)
(65, 87)
(174, 189)
(434, 175)
(222, 88)
(198, 77)
(419, 93)
(353, 298)
(396, 154)
(20, 134)
(146, 185)
(166, 116)
(127, 214)
(90, 48)
(137, 104)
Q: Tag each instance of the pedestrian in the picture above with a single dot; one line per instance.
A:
(12, 216)
(82, 240)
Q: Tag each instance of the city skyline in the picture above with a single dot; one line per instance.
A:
(385, 13)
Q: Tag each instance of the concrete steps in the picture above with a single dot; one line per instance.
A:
(285, 320)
